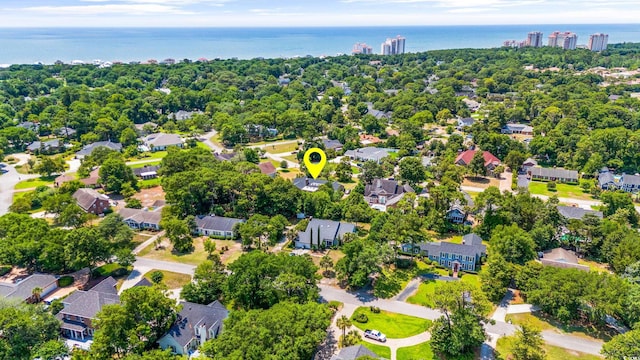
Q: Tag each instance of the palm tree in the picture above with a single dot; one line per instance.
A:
(343, 323)
(36, 292)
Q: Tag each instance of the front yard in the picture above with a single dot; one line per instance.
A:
(542, 322)
(481, 182)
(427, 289)
(380, 350)
(394, 326)
(281, 148)
(562, 190)
(416, 352)
(171, 279)
(34, 183)
(197, 256)
(505, 345)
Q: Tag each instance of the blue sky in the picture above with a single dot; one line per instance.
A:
(224, 13)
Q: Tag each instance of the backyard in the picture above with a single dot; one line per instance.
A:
(562, 190)
(394, 326)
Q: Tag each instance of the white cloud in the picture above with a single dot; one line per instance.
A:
(130, 9)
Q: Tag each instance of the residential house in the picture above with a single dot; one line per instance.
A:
(218, 226)
(45, 147)
(147, 172)
(81, 307)
(382, 193)
(139, 219)
(428, 161)
(553, 174)
(145, 128)
(577, 213)
(386, 115)
(607, 180)
(194, 325)
(366, 139)
(528, 164)
(183, 115)
(355, 352)
(63, 179)
(161, 141)
(458, 257)
(517, 129)
(625, 182)
(471, 104)
(335, 145)
(88, 149)
(225, 156)
(465, 122)
(456, 213)
(323, 233)
(92, 201)
(66, 132)
(35, 127)
(267, 168)
(490, 161)
(93, 180)
(369, 154)
(562, 258)
(22, 289)
(312, 185)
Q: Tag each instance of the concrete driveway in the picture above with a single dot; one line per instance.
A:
(9, 180)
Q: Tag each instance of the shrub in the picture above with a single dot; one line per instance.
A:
(157, 276)
(65, 281)
(460, 273)
(4, 269)
(56, 306)
(450, 272)
(374, 309)
(361, 318)
(551, 186)
(334, 305)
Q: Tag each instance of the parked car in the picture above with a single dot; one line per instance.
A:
(375, 335)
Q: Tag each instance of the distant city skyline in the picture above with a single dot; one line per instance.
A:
(290, 13)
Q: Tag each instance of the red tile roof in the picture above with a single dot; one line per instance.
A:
(465, 157)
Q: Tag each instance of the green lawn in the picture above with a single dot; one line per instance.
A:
(416, 352)
(563, 190)
(33, 183)
(196, 257)
(113, 269)
(553, 352)
(427, 289)
(355, 170)
(380, 350)
(171, 279)
(292, 158)
(149, 183)
(539, 321)
(150, 163)
(202, 145)
(151, 155)
(281, 148)
(395, 326)
(424, 295)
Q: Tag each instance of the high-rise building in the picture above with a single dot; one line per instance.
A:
(598, 42)
(534, 39)
(566, 40)
(361, 48)
(393, 46)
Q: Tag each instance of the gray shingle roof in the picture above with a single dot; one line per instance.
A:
(47, 145)
(605, 178)
(88, 149)
(310, 184)
(332, 144)
(217, 223)
(630, 179)
(467, 249)
(472, 239)
(162, 139)
(86, 304)
(573, 212)
(24, 289)
(386, 187)
(354, 352)
(146, 169)
(193, 315)
(467, 121)
(325, 229)
(141, 216)
(86, 197)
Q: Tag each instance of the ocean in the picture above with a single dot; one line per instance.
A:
(30, 45)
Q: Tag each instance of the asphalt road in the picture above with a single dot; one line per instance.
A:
(8, 182)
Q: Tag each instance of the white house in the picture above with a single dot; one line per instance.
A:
(161, 141)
